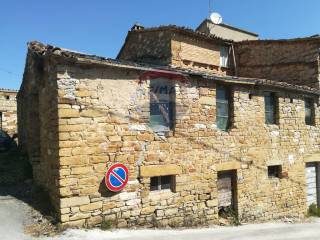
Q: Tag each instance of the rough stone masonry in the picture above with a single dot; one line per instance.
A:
(8, 111)
(226, 141)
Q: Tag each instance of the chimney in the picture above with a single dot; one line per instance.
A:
(137, 26)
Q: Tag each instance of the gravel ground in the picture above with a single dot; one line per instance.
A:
(23, 214)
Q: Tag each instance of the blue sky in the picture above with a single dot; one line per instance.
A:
(100, 26)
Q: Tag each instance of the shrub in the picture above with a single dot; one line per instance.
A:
(230, 214)
(106, 224)
(313, 211)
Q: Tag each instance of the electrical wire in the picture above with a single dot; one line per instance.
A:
(9, 72)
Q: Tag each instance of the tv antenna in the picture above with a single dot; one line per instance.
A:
(215, 17)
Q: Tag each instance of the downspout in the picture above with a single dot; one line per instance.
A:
(234, 60)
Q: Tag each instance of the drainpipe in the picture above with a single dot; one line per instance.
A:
(234, 60)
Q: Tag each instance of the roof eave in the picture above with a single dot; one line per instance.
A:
(79, 58)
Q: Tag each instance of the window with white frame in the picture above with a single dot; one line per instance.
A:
(224, 56)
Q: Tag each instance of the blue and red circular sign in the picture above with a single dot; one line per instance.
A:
(117, 177)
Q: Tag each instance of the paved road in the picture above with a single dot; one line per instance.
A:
(270, 231)
(14, 214)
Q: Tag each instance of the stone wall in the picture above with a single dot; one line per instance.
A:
(8, 109)
(292, 61)
(103, 117)
(198, 55)
(37, 115)
(148, 47)
(28, 109)
(170, 47)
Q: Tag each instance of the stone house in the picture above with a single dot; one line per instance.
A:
(293, 61)
(226, 31)
(176, 107)
(8, 111)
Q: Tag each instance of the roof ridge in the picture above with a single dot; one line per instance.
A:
(230, 26)
(8, 90)
(284, 40)
(183, 29)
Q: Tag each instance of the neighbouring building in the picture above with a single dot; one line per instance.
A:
(8, 111)
(204, 125)
(293, 61)
(226, 31)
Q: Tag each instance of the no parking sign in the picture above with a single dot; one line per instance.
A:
(117, 177)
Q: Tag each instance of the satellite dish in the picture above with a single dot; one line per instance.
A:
(216, 18)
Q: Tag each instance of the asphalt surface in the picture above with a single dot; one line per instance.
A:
(270, 231)
(13, 217)
(14, 214)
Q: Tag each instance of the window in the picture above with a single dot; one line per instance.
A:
(309, 111)
(270, 102)
(224, 56)
(0, 120)
(162, 183)
(162, 96)
(274, 171)
(8, 97)
(223, 107)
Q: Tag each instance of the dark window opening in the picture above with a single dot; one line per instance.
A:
(223, 107)
(162, 183)
(162, 98)
(0, 120)
(271, 103)
(7, 97)
(309, 111)
(274, 171)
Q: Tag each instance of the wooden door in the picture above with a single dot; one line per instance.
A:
(312, 180)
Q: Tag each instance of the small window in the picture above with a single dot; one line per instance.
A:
(162, 96)
(270, 102)
(224, 56)
(222, 107)
(0, 120)
(274, 171)
(8, 97)
(162, 183)
(309, 111)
